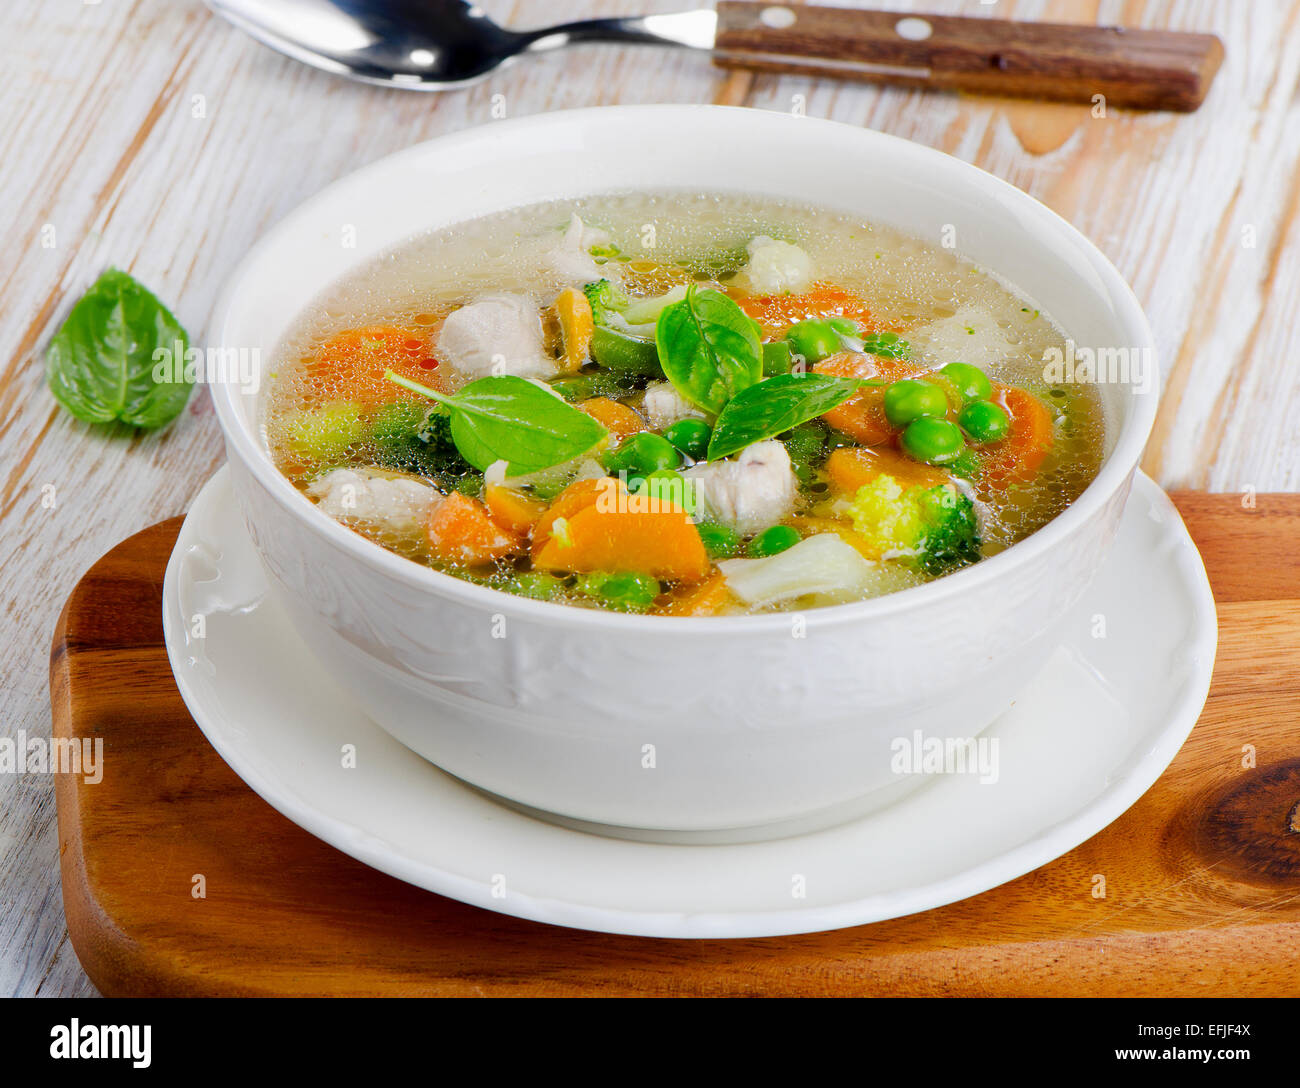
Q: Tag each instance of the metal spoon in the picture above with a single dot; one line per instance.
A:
(431, 45)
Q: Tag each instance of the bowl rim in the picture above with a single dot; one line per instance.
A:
(1115, 471)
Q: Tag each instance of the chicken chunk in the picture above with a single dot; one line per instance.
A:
(553, 261)
(400, 504)
(664, 406)
(748, 494)
(496, 334)
(570, 263)
(777, 268)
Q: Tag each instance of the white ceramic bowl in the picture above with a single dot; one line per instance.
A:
(755, 722)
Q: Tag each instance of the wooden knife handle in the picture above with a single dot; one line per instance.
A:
(1145, 69)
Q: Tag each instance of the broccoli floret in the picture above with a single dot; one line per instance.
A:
(414, 438)
(605, 297)
(952, 537)
(935, 527)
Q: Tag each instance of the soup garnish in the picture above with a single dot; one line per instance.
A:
(765, 408)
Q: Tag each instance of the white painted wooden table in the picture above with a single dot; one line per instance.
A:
(148, 134)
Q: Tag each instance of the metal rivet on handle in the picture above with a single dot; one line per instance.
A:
(777, 18)
(913, 29)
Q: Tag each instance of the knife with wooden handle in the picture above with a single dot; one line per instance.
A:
(1144, 69)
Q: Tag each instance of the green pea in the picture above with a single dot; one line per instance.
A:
(621, 591)
(773, 541)
(984, 421)
(536, 584)
(970, 382)
(888, 344)
(668, 486)
(719, 541)
(691, 436)
(642, 453)
(935, 441)
(815, 340)
(913, 398)
(846, 326)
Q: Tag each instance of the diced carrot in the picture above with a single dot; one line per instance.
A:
(862, 416)
(706, 599)
(1016, 458)
(852, 467)
(576, 326)
(776, 313)
(351, 365)
(577, 496)
(810, 526)
(512, 509)
(621, 535)
(460, 530)
(616, 418)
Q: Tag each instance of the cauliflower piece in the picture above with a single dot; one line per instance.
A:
(777, 268)
(399, 503)
(971, 335)
(748, 494)
(935, 527)
(823, 566)
(496, 334)
(663, 406)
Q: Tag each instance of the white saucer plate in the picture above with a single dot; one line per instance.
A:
(1091, 734)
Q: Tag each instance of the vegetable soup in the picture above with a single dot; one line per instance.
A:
(683, 405)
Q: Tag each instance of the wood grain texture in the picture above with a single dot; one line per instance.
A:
(148, 134)
(1144, 69)
(1202, 875)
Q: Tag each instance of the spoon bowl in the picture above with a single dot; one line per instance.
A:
(432, 45)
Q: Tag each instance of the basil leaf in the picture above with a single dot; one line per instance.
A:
(505, 418)
(120, 355)
(709, 349)
(773, 407)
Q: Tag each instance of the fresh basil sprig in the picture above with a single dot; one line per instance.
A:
(774, 406)
(709, 348)
(120, 355)
(505, 418)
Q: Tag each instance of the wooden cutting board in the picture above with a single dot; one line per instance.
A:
(1201, 876)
